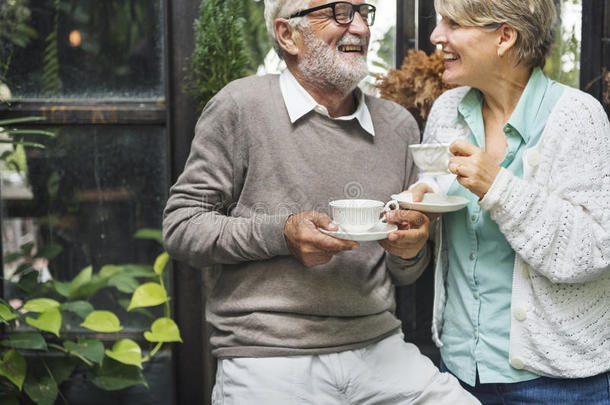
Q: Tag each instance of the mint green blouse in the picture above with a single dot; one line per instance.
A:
(476, 324)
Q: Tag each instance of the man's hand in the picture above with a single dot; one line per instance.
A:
(411, 236)
(475, 169)
(310, 246)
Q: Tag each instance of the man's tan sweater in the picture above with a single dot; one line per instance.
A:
(248, 170)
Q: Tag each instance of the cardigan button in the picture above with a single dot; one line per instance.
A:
(520, 314)
(517, 363)
(533, 157)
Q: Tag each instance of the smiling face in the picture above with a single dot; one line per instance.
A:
(334, 54)
(471, 53)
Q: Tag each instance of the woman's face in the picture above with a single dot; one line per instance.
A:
(471, 53)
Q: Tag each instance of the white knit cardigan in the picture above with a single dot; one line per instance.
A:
(557, 219)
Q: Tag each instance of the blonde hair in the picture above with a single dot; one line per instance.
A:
(283, 9)
(534, 20)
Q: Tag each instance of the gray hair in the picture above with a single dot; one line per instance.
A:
(534, 20)
(284, 9)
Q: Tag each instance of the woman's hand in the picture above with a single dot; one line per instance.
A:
(475, 169)
(419, 190)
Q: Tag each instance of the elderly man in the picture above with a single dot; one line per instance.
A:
(299, 316)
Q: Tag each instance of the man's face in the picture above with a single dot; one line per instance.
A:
(332, 53)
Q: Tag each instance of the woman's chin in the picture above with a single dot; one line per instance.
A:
(451, 79)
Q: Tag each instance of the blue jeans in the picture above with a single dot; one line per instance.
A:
(543, 391)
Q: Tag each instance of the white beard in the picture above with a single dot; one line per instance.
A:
(327, 68)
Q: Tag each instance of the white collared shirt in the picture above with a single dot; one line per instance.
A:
(299, 102)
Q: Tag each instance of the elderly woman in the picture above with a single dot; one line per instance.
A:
(522, 301)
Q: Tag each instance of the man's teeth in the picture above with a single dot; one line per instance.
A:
(449, 56)
(350, 48)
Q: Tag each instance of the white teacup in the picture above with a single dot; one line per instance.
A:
(432, 157)
(357, 215)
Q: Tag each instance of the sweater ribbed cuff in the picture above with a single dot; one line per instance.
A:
(497, 192)
(272, 231)
(407, 271)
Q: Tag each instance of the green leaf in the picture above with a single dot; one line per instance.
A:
(109, 271)
(149, 233)
(81, 279)
(163, 330)
(160, 263)
(49, 321)
(13, 367)
(6, 313)
(22, 143)
(26, 248)
(11, 257)
(102, 321)
(40, 305)
(29, 281)
(62, 288)
(92, 349)
(49, 251)
(96, 282)
(31, 132)
(61, 367)
(124, 283)
(127, 352)
(148, 295)
(40, 386)
(80, 308)
(20, 120)
(113, 375)
(25, 340)
(139, 270)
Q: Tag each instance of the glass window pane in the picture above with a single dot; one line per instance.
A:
(563, 64)
(382, 52)
(86, 193)
(82, 48)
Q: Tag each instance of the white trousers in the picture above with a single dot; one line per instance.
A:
(388, 372)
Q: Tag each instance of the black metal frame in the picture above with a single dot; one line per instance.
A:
(595, 49)
(413, 33)
(194, 366)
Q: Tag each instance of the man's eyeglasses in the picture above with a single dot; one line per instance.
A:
(343, 12)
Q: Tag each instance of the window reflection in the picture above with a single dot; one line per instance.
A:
(86, 194)
(563, 64)
(82, 48)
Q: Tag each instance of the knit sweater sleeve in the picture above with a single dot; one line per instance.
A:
(560, 226)
(197, 226)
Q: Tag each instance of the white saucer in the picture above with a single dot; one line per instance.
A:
(379, 232)
(433, 203)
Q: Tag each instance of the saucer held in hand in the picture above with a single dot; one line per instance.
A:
(378, 232)
(433, 203)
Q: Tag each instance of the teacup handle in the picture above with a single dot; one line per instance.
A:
(389, 206)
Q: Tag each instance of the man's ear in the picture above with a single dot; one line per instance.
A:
(507, 38)
(287, 37)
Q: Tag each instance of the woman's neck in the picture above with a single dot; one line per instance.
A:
(502, 92)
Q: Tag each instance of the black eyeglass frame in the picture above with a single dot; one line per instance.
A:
(355, 8)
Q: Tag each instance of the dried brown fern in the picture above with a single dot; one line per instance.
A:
(416, 84)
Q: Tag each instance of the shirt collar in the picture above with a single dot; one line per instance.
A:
(299, 102)
(526, 112)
